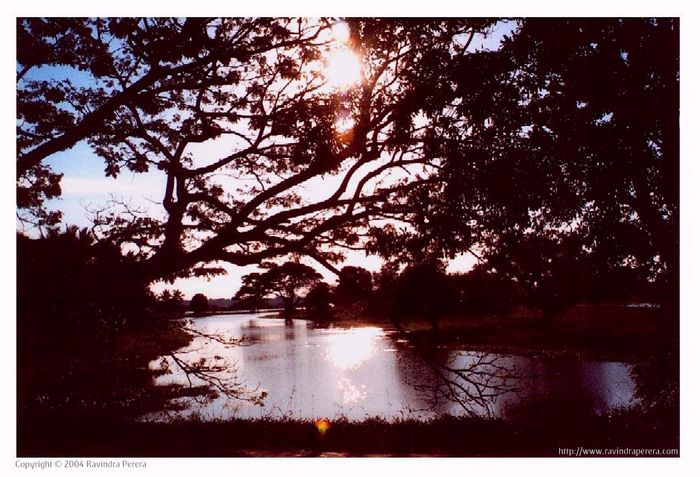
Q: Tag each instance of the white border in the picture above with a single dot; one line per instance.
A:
(689, 225)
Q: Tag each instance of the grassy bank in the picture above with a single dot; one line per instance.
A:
(447, 436)
(601, 332)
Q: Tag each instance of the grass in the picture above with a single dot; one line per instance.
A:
(533, 435)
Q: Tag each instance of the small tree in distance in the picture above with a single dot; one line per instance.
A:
(199, 304)
(318, 301)
(252, 293)
(354, 286)
(285, 281)
(171, 302)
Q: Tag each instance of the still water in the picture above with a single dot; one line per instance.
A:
(301, 371)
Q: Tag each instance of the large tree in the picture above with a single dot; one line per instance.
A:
(241, 118)
(560, 157)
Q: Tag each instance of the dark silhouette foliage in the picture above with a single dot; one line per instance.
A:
(171, 303)
(562, 146)
(68, 279)
(86, 331)
(318, 302)
(251, 295)
(199, 303)
(285, 281)
(481, 291)
(354, 287)
(423, 291)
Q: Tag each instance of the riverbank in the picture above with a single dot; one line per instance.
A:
(596, 332)
(540, 434)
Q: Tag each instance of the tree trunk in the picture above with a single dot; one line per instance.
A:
(288, 309)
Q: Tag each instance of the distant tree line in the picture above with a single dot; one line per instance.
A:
(425, 290)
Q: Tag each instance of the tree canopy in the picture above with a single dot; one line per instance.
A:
(560, 154)
(285, 281)
(240, 116)
(354, 285)
(199, 303)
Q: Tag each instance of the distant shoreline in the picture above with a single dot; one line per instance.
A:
(618, 332)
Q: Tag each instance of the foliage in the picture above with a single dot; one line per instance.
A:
(285, 281)
(565, 134)
(68, 279)
(318, 301)
(481, 291)
(86, 331)
(560, 157)
(171, 303)
(443, 436)
(354, 286)
(423, 290)
(199, 303)
(251, 294)
(239, 116)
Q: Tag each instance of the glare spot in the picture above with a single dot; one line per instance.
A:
(351, 349)
(341, 32)
(322, 425)
(343, 68)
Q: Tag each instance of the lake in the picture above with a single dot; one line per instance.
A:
(303, 371)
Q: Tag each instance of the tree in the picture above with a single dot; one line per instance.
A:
(285, 281)
(252, 92)
(252, 293)
(483, 291)
(439, 148)
(67, 280)
(566, 138)
(86, 333)
(423, 291)
(318, 301)
(171, 302)
(199, 304)
(354, 286)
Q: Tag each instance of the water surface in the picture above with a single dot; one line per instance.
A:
(308, 372)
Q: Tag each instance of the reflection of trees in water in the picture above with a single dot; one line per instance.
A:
(485, 384)
(473, 381)
(657, 381)
(209, 375)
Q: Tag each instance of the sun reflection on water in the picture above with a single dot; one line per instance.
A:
(351, 393)
(354, 347)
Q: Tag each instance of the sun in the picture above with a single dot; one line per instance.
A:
(343, 68)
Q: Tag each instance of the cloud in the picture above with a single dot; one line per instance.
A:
(89, 187)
